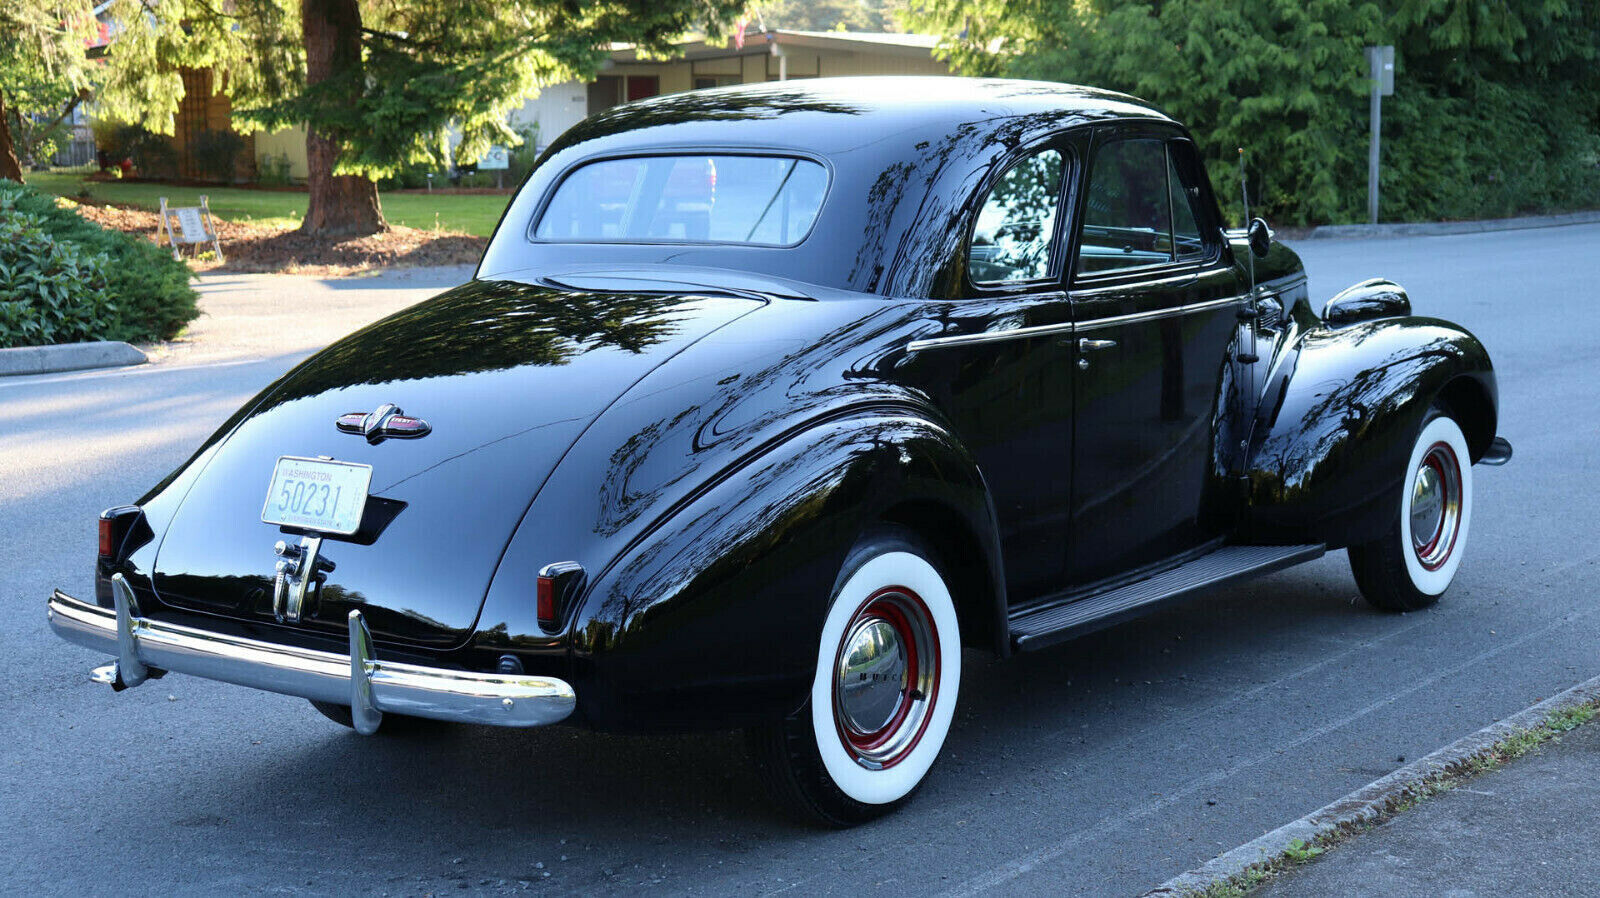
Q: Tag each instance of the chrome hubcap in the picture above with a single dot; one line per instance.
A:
(1435, 506)
(872, 677)
(885, 678)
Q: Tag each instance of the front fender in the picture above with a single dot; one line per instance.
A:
(712, 618)
(1338, 418)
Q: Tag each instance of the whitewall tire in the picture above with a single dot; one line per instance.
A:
(1414, 562)
(883, 693)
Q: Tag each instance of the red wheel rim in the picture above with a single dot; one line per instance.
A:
(1436, 503)
(873, 735)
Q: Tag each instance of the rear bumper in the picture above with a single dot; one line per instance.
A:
(147, 648)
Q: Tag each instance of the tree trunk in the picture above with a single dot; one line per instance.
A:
(339, 204)
(9, 167)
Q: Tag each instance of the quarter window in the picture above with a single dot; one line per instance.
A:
(1186, 240)
(1017, 224)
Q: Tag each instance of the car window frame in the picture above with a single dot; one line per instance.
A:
(1066, 206)
(1209, 229)
(531, 231)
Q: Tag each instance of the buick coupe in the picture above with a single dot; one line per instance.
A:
(767, 403)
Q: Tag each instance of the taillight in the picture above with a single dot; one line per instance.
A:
(107, 543)
(558, 584)
(115, 526)
(547, 600)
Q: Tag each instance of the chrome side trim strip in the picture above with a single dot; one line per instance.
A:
(1023, 333)
(1157, 314)
(1017, 333)
(512, 700)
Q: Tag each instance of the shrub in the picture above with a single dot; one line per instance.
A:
(51, 291)
(216, 153)
(524, 156)
(273, 171)
(150, 290)
(152, 154)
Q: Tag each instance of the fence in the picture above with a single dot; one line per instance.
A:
(77, 149)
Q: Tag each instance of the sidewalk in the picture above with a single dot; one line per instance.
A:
(265, 315)
(1529, 828)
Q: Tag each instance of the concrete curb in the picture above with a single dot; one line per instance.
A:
(68, 357)
(1373, 801)
(1439, 228)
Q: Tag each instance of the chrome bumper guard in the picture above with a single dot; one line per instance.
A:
(148, 648)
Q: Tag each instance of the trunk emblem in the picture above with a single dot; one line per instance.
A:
(388, 421)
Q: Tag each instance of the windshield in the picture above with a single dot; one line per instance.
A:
(770, 200)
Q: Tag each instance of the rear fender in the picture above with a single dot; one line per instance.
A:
(1338, 418)
(712, 618)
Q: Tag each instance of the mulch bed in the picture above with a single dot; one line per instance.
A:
(262, 248)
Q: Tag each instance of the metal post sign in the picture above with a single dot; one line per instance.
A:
(1380, 70)
(1383, 69)
(496, 158)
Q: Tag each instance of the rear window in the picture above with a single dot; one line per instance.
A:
(770, 200)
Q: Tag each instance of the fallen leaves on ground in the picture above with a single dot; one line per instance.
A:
(250, 247)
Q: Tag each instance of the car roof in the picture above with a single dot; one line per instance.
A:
(907, 157)
(831, 114)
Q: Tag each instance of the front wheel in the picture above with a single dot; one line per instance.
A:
(1411, 565)
(888, 668)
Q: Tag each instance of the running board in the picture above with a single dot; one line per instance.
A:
(1037, 628)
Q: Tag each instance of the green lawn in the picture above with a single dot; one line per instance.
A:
(472, 213)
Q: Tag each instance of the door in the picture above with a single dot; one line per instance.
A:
(1001, 371)
(1154, 304)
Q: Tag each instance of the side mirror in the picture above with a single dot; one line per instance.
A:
(1260, 237)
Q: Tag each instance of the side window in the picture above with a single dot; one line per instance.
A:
(1017, 224)
(1126, 223)
(1139, 211)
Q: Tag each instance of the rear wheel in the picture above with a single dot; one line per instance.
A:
(1413, 563)
(888, 668)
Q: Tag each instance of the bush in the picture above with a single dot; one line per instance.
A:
(413, 177)
(149, 290)
(216, 153)
(273, 171)
(152, 154)
(524, 156)
(51, 291)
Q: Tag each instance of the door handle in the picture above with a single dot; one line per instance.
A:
(1087, 345)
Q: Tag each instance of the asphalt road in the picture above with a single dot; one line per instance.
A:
(1102, 767)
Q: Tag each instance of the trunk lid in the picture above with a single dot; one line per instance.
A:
(507, 374)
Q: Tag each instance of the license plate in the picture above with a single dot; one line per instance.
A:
(317, 494)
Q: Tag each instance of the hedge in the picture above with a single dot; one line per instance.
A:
(64, 279)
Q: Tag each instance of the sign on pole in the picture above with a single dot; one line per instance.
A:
(1380, 71)
(497, 158)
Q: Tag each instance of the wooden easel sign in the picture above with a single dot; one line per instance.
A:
(194, 227)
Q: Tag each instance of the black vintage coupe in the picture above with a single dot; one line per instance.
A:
(767, 402)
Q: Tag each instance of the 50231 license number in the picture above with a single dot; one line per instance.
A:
(317, 494)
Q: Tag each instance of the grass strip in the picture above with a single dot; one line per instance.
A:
(1299, 852)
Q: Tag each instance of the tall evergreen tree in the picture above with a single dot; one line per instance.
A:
(43, 70)
(1495, 110)
(378, 83)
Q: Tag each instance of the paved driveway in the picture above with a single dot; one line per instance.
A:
(1102, 767)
